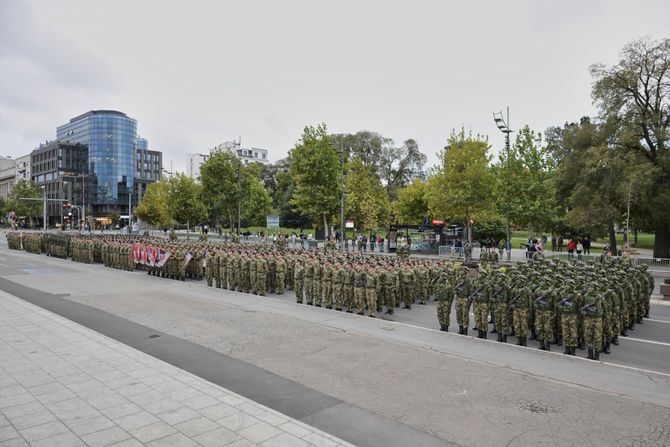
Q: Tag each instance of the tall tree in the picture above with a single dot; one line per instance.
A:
(524, 186)
(366, 200)
(462, 187)
(153, 209)
(635, 93)
(315, 169)
(401, 165)
(411, 206)
(186, 204)
(257, 203)
(25, 189)
(222, 180)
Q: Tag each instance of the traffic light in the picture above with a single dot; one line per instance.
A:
(66, 205)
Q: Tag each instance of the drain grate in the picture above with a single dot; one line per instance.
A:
(536, 407)
(154, 336)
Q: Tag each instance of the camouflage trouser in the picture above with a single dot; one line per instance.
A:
(641, 306)
(544, 324)
(261, 285)
(481, 311)
(231, 279)
(371, 300)
(390, 297)
(407, 293)
(280, 284)
(444, 312)
(569, 329)
(423, 292)
(520, 317)
(317, 291)
(359, 299)
(647, 303)
(298, 291)
(501, 316)
(337, 296)
(607, 328)
(309, 298)
(219, 274)
(254, 280)
(616, 324)
(210, 273)
(593, 332)
(349, 297)
(463, 311)
(328, 294)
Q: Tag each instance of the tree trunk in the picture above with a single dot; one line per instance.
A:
(612, 236)
(325, 226)
(662, 240)
(635, 233)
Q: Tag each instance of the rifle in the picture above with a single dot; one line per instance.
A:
(541, 301)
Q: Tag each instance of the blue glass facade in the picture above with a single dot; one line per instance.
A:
(112, 139)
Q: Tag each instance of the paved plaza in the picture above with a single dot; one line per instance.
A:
(64, 385)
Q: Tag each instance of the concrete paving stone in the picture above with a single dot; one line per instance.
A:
(153, 431)
(96, 393)
(67, 410)
(8, 432)
(178, 415)
(242, 443)
(128, 443)
(196, 426)
(74, 378)
(294, 429)
(237, 421)
(120, 382)
(218, 411)
(176, 440)
(272, 418)
(47, 388)
(121, 410)
(284, 440)
(154, 379)
(16, 399)
(106, 437)
(320, 441)
(56, 396)
(62, 440)
(136, 420)
(231, 400)
(12, 390)
(109, 375)
(17, 442)
(107, 401)
(33, 419)
(143, 399)
(90, 425)
(169, 386)
(33, 378)
(141, 372)
(133, 389)
(216, 438)
(43, 431)
(185, 394)
(160, 405)
(3, 420)
(85, 385)
(259, 432)
(251, 408)
(23, 409)
(200, 402)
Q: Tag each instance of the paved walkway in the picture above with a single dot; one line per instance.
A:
(64, 385)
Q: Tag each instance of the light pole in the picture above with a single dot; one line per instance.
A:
(342, 234)
(503, 125)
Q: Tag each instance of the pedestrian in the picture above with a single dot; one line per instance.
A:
(571, 247)
(579, 248)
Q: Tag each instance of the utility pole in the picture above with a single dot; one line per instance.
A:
(503, 125)
(342, 234)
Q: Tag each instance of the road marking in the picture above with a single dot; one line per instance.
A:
(657, 321)
(646, 341)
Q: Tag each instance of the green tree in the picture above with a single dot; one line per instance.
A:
(462, 187)
(221, 177)
(635, 94)
(366, 200)
(153, 209)
(411, 206)
(256, 203)
(185, 203)
(315, 169)
(401, 165)
(25, 189)
(525, 192)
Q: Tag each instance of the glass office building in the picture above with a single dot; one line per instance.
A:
(112, 142)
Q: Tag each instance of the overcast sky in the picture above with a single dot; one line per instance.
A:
(197, 73)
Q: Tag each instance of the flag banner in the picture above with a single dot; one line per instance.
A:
(163, 256)
(187, 258)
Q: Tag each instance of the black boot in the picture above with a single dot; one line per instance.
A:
(548, 346)
(480, 334)
(484, 335)
(624, 331)
(524, 341)
(499, 337)
(512, 332)
(615, 340)
(460, 330)
(639, 320)
(607, 348)
(504, 338)
(533, 335)
(566, 351)
(542, 346)
(465, 331)
(646, 314)
(580, 343)
(494, 330)
(560, 341)
(572, 350)
(596, 355)
(519, 341)
(590, 356)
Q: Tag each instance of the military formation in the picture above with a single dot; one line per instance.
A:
(565, 303)
(571, 304)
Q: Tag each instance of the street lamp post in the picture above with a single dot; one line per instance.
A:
(503, 125)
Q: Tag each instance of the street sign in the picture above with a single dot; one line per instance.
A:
(272, 221)
(349, 224)
(437, 222)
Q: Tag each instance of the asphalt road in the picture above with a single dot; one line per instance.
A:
(358, 377)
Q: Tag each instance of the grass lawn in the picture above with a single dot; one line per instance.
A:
(644, 240)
